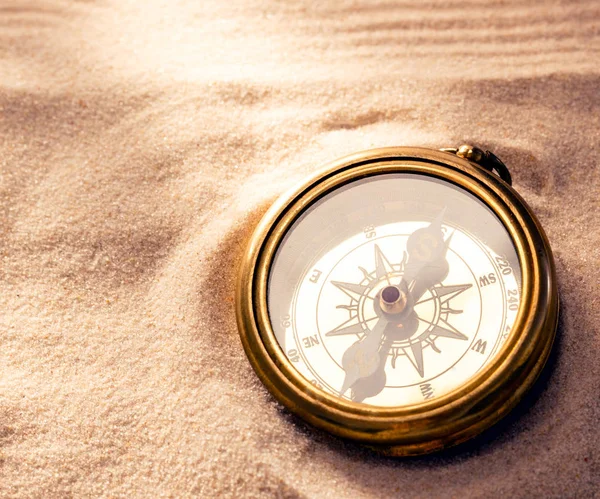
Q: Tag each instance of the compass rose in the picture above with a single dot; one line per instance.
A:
(397, 310)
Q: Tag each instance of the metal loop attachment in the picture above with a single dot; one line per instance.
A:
(485, 159)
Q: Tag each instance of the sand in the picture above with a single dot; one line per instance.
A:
(140, 141)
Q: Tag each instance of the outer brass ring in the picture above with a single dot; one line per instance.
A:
(434, 424)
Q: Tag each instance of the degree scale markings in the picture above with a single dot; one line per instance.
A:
(334, 228)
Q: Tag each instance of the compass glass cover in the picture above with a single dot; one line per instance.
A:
(394, 289)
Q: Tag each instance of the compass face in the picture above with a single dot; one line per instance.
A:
(394, 289)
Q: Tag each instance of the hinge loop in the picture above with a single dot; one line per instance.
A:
(485, 159)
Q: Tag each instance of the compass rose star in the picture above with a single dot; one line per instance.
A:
(352, 290)
(415, 355)
(446, 293)
(424, 265)
(344, 328)
(383, 268)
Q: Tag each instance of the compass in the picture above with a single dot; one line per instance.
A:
(404, 298)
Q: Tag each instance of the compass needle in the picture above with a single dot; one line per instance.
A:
(374, 384)
(361, 359)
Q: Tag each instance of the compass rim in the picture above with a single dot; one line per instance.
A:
(448, 419)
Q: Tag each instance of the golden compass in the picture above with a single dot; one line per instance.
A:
(404, 298)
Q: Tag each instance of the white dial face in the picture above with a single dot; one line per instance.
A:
(394, 290)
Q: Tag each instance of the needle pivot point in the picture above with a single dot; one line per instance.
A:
(392, 300)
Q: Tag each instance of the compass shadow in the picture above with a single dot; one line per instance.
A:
(500, 437)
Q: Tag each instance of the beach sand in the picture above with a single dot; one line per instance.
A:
(139, 144)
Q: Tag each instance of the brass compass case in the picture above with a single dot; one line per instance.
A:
(430, 424)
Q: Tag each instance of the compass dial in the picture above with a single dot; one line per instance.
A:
(394, 289)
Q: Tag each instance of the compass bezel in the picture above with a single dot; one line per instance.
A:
(432, 424)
